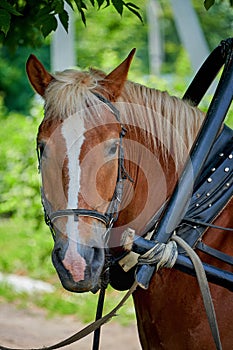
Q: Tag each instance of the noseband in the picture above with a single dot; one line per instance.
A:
(111, 215)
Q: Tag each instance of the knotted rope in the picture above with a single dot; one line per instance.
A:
(161, 255)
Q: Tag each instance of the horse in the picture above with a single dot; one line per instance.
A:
(110, 154)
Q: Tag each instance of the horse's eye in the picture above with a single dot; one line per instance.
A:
(41, 149)
(113, 149)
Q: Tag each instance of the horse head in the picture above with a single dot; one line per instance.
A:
(79, 141)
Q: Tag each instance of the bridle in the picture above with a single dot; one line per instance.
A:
(111, 215)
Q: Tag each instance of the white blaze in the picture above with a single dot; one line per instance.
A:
(73, 133)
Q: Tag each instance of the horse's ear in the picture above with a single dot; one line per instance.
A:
(38, 75)
(114, 82)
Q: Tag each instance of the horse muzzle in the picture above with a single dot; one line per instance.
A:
(79, 267)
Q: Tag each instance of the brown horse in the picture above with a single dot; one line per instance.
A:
(81, 147)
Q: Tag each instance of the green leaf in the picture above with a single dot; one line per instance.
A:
(78, 4)
(5, 21)
(49, 24)
(6, 6)
(92, 2)
(130, 4)
(64, 18)
(208, 4)
(118, 4)
(57, 6)
(132, 9)
(81, 5)
(43, 14)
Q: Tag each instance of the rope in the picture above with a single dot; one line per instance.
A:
(161, 255)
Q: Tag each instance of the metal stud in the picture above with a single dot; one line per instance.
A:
(213, 169)
(209, 179)
(227, 184)
(226, 169)
(230, 156)
(207, 194)
(210, 205)
(197, 205)
(221, 154)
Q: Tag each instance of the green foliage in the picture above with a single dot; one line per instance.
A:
(7, 10)
(26, 248)
(15, 90)
(19, 182)
(208, 19)
(62, 303)
(28, 22)
(115, 38)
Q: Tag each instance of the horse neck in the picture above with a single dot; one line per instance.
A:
(161, 131)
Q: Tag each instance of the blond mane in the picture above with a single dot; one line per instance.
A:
(171, 120)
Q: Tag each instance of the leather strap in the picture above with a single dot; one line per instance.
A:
(204, 288)
(228, 259)
(79, 212)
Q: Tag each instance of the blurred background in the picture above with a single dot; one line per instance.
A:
(172, 41)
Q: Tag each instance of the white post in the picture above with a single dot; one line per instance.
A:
(190, 32)
(154, 37)
(62, 45)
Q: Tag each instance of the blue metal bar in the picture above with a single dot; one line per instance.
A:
(183, 263)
